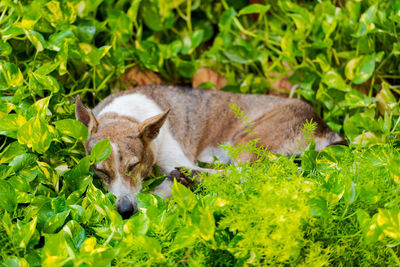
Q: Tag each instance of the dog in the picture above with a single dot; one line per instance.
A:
(174, 127)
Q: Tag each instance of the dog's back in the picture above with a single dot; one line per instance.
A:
(202, 119)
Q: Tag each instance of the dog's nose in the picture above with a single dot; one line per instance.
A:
(125, 207)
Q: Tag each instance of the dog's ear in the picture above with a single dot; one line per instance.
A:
(150, 128)
(85, 115)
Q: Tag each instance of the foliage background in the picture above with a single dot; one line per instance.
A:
(338, 206)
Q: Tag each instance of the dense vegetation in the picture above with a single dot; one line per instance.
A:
(339, 206)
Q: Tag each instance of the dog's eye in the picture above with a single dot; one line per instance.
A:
(132, 166)
(102, 175)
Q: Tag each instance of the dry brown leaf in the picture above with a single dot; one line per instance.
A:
(204, 75)
(282, 86)
(137, 77)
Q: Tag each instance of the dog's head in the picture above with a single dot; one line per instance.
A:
(131, 158)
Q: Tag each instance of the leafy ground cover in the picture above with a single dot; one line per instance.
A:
(339, 206)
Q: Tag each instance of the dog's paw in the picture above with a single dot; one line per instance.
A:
(184, 177)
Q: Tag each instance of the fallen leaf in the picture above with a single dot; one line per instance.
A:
(136, 77)
(206, 75)
(282, 86)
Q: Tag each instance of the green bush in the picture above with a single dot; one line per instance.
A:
(339, 206)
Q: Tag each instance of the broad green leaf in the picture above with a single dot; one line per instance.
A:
(36, 134)
(91, 54)
(74, 234)
(386, 101)
(183, 196)
(36, 39)
(254, 8)
(57, 40)
(186, 68)
(38, 82)
(24, 232)
(39, 108)
(185, 237)
(5, 48)
(10, 124)
(12, 261)
(23, 161)
(156, 15)
(8, 197)
(55, 222)
(365, 69)
(73, 128)
(137, 225)
(204, 219)
(11, 74)
(120, 25)
(191, 41)
(56, 251)
(78, 178)
(11, 151)
(334, 80)
(149, 55)
(226, 19)
(389, 222)
(101, 150)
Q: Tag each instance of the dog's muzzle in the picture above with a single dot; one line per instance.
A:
(125, 207)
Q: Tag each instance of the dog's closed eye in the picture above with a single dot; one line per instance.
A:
(131, 167)
(103, 175)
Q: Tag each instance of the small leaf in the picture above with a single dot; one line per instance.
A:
(183, 196)
(73, 128)
(254, 8)
(389, 222)
(101, 150)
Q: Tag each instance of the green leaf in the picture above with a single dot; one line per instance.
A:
(120, 25)
(5, 48)
(39, 108)
(38, 82)
(12, 261)
(149, 55)
(11, 151)
(183, 196)
(156, 15)
(389, 222)
(73, 128)
(91, 54)
(364, 69)
(191, 41)
(23, 161)
(226, 19)
(186, 68)
(55, 250)
(334, 80)
(36, 39)
(78, 178)
(74, 234)
(101, 150)
(24, 232)
(8, 197)
(137, 225)
(254, 8)
(185, 237)
(11, 74)
(36, 134)
(10, 124)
